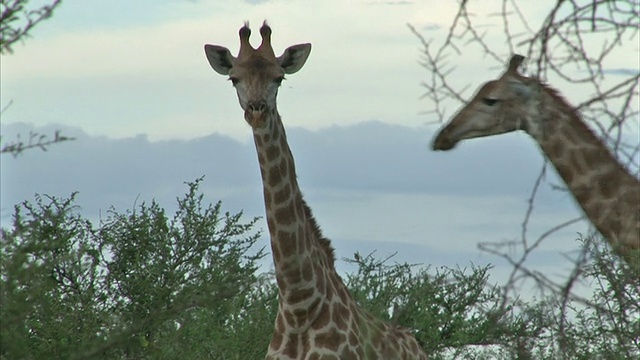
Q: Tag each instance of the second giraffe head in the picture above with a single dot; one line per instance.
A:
(257, 73)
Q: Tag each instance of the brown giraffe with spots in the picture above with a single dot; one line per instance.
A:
(317, 316)
(607, 193)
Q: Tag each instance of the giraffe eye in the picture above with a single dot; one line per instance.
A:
(234, 80)
(279, 80)
(489, 101)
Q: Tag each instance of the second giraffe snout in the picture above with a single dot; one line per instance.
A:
(443, 142)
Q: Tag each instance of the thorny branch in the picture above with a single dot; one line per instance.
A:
(35, 140)
(16, 21)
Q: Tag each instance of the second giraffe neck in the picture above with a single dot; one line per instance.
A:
(583, 161)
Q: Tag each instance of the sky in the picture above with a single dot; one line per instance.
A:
(129, 80)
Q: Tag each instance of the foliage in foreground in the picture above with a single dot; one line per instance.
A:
(145, 285)
(141, 285)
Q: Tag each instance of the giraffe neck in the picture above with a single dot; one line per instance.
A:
(299, 257)
(317, 315)
(607, 193)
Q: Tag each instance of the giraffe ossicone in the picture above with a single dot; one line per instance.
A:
(317, 316)
(607, 193)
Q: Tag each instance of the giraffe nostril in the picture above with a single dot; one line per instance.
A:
(256, 113)
(259, 106)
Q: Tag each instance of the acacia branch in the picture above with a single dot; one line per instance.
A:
(16, 21)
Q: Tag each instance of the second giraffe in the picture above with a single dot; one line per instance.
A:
(607, 193)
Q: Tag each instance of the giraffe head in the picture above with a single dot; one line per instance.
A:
(257, 73)
(500, 106)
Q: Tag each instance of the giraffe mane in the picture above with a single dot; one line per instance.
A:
(555, 94)
(577, 122)
(568, 109)
(325, 244)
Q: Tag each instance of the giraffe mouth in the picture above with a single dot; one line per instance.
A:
(443, 143)
(252, 114)
(256, 114)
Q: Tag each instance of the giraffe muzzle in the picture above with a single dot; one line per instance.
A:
(256, 113)
(443, 143)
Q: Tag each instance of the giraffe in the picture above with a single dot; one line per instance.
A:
(317, 316)
(607, 193)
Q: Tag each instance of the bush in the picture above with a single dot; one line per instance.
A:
(138, 286)
(144, 285)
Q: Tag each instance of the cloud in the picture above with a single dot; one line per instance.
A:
(114, 76)
(114, 172)
(622, 72)
(430, 27)
(369, 156)
(371, 165)
(372, 187)
(391, 2)
(376, 155)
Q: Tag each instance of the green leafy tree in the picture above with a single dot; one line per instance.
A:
(131, 288)
(607, 325)
(146, 285)
(450, 310)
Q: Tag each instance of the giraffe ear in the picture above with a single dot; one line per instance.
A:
(514, 63)
(516, 82)
(294, 57)
(220, 58)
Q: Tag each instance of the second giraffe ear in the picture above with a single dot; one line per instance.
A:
(220, 58)
(294, 57)
(515, 62)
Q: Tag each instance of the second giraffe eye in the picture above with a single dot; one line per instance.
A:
(279, 80)
(489, 101)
